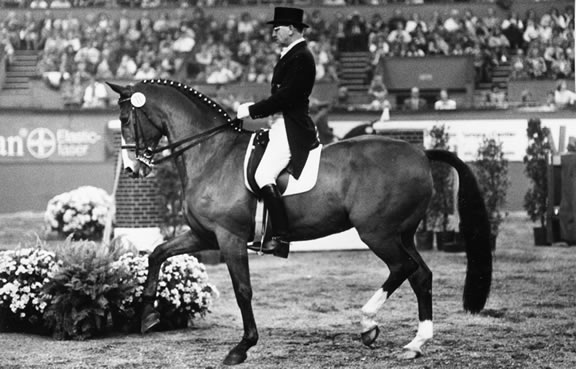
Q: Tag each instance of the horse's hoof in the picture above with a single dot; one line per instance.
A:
(235, 357)
(370, 336)
(409, 355)
(149, 321)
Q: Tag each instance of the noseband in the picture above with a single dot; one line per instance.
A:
(177, 148)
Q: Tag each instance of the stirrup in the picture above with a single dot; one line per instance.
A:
(276, 246)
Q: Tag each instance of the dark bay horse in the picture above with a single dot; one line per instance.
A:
(380, 186)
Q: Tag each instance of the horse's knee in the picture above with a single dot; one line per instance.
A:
(244, 292)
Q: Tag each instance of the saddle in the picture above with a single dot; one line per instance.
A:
(287, 184)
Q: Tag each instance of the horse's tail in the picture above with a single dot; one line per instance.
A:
(475, 228)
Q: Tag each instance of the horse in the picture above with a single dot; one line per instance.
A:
(379, 186)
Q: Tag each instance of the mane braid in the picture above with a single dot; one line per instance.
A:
(192, 94)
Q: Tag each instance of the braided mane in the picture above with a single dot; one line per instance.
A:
(192, 94)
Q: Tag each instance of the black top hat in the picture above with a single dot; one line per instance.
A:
(288, 16)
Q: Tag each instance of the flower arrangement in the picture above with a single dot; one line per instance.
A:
(81, 213)
(85, 289)
(23, 273)
(183, 289)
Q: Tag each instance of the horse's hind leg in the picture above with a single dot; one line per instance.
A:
(401, 265)
(421, 282)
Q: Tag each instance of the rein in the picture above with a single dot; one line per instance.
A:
(175, 147)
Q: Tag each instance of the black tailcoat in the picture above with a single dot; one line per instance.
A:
(292, 83)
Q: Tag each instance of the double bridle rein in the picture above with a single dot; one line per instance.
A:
(177, 148)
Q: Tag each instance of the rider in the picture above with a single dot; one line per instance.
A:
(292, 138)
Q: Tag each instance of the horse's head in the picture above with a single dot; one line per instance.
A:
(141, 128)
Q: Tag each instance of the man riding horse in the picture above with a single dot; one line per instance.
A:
(291, 139)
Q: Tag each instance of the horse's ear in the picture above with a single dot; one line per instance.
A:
(123, 91)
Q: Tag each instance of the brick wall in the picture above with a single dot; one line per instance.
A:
(138, 204)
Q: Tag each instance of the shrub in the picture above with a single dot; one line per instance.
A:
(23, 273)
(536, 159)
(492, 173)
(84, 289)
(442, 203)
(81, 213)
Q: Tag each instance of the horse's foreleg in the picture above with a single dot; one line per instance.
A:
(184, 243)
(235, 253)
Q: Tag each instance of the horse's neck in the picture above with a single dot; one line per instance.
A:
(206, 161)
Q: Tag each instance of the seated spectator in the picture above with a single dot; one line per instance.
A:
(95, 95)
(498, 45)
(518, 64)
(444, 103)
(127, 68)
(560, 66)
(497, 98)
(146, 71)
(563, 97)
(414, 102)
(536, 64)
(378, 93)
(6, 47)
(223, 71)
(60, 4)
(38, 4)
(185, 41)
(531, 32)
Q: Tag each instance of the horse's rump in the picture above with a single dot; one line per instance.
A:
(359, 179)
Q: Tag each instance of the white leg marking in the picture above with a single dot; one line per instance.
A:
(425, 333)
(371, 308)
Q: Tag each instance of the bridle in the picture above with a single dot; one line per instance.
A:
(146, 155)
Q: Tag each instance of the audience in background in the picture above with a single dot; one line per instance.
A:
(237, 48)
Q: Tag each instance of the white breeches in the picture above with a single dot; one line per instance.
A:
(275, 158)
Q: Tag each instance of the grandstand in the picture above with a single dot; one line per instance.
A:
(467, 47)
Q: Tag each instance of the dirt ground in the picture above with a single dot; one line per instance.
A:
(307, 309)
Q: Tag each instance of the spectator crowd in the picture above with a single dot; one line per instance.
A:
(76, 52)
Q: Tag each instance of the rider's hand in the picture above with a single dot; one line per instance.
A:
(243, 111)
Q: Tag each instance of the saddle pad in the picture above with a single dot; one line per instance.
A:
(307, 179)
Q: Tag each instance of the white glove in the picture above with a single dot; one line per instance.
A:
(243, 111)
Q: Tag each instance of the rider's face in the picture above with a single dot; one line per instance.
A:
(282, 34)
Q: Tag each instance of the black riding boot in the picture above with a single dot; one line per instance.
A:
(278, 244)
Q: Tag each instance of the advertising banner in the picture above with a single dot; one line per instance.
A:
(467, 135)
(38, 140)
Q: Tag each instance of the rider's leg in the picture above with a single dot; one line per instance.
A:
(275, 159)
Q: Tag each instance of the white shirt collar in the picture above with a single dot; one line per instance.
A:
(287, 48)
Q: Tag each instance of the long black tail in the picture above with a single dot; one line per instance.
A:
(475, 228)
